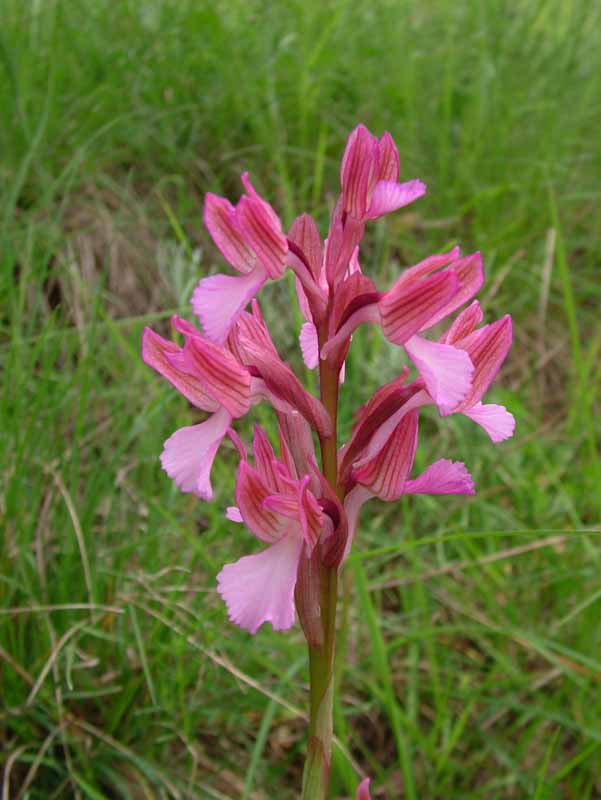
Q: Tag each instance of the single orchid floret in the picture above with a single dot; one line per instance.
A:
(443, 477)
(369, 176)
(250, 238)
(487, 348)
(422, 296)
(211, 379)
(363, 790)
(280, 509)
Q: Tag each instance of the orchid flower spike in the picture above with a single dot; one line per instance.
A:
(305, 509)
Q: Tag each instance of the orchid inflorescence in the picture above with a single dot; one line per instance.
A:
(306, 510)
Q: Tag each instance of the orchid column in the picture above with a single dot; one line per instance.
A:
(305, 506)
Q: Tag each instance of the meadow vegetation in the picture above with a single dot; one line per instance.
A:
(473, 644)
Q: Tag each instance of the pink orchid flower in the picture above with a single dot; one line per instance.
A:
(369, 176)
(211, 379)
(420, 298)
(250, 238)
(278, 508)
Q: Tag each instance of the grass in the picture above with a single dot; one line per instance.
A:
(474, 648)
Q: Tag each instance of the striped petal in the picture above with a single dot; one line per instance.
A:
(224, 378)
(221, 222)
(251, 491)
(158, 353)
(262, 229)
(407, 309)
(386, 473)
(358, 170)
(487, 348)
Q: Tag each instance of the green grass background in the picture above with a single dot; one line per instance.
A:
(473, 661)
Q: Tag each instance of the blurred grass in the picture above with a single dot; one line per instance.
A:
(473, 658)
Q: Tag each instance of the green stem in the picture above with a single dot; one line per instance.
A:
(316, 776)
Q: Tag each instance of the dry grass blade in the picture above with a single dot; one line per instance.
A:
(16, 666)
(117, 746)
(457, 566)
(78, 531)
(13, 610)
(10, 762)
(52, 658)
(35, 765)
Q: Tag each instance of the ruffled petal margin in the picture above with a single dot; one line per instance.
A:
(260, 588)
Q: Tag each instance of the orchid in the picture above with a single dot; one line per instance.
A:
(304, 505)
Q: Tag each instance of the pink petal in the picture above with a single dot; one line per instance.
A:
(300, 506)
(188, 454)
(408, 308)
(388, 159)
(487, 349)
(363, 790)
(427, 266)
(334, 533)
(386, 473)
(354, 265)
(303, 232)
(262, 229)
(498, 423)
(220, 219)
(238, 443)
(251, 491)
(466, 323)
(309, 345)
(341, 243)
(470, 275)
(447, 371)
(354, 302)
(357, 170)
(296, 445)
(156, 352)
(442, 477)
(303, 302)
(233, 514)
(387, 400)
(389, 196)
(260, 588)
(382, 435)
(184, 327)
(265, 460)
(310, 514)
(224, 378)
(251, 328)
(219, 299)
